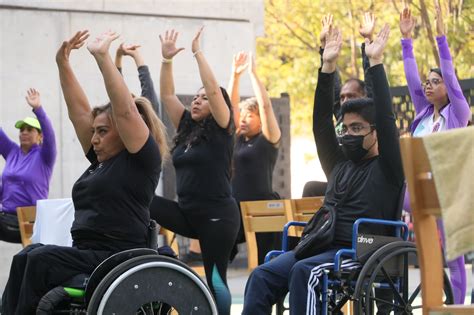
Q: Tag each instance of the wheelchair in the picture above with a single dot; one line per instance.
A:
(375, 275)
(135, 281)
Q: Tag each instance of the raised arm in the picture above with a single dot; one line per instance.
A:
(146, 83)
(459, 106)
(326, 22)
(173, 105)
(78, 107)
(239, 64)
(323, 128)
(219, 109)
(407, 24)
(387, 132)
(131, 127)
(270, 129)
(366, 31)
(48, 149)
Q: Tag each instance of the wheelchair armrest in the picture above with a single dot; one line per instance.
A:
(350, 252)
(284, 240)
(399, 225)
(273, 253)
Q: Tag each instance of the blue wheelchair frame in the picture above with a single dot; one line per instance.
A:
(401, 231)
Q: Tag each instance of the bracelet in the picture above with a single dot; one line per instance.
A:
(166, 60)
(197, 51)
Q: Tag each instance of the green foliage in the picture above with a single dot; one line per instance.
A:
(288, 54)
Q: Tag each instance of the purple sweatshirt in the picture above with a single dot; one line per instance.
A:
(26, 177)
(457, 112)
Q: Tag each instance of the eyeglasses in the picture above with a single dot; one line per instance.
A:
(352, 129)
(432, 82)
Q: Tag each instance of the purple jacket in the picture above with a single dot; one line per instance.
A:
(457, 112)
(26, 177)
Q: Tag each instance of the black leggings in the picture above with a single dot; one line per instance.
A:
(39, 268)
(9, 230)
(216, 228)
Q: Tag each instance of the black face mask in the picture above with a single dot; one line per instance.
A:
(352, 147)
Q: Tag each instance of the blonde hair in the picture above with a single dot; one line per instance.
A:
(154, 124)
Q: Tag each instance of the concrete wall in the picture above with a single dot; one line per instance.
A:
(31, 32)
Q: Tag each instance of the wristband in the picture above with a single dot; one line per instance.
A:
(166, 60)
(197, 51)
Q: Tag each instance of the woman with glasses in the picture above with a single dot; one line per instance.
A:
(439, 105)
(439, 102)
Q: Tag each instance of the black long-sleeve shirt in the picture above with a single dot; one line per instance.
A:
(148, 89)
(373, 185)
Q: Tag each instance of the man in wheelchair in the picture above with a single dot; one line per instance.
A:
(364, 172)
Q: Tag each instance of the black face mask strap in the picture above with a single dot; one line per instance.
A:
(374, 141)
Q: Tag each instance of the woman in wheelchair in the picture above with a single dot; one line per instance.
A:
(365, 177)
(125, 143)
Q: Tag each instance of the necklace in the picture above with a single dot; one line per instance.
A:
(188, 146)
(98, 166)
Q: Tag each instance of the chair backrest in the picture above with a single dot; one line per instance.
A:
(26, 220)
(54, 218)
(262, 216)
(171, 239)
(303, 210)
(426, 208)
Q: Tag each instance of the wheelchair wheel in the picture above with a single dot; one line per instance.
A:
(384, 283)
(152, 285)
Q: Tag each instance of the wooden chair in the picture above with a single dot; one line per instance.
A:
(26, 220)
(426, 208)
(303, 210)
(262, 216)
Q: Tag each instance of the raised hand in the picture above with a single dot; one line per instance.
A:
(101, 45)
(374, 50)
(327, 23)
(439, 20)
(333, 45)
(168, 44)
(75, 42)
(407, 23)
(196, 46)
(33, 98)
(127, 49)
(240, 63)
(252, 64)
(367, 27)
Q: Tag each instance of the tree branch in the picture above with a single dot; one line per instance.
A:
(425, 18)
(292, 31)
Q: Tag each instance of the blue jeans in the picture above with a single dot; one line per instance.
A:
(270, 282)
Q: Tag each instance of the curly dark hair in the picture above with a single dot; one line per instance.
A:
(192, 132)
